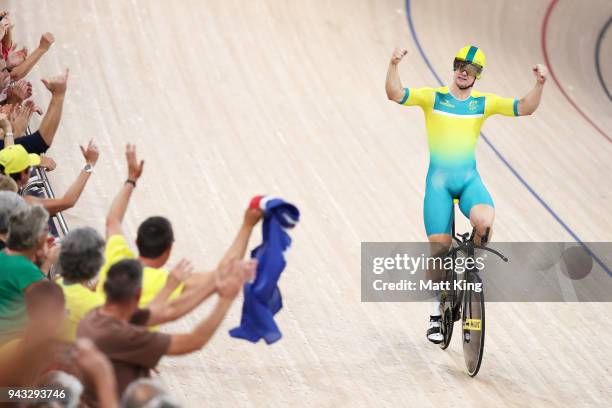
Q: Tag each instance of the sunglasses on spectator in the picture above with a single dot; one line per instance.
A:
(471, 69)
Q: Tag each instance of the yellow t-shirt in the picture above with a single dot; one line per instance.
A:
(153, 279)
(79, 301)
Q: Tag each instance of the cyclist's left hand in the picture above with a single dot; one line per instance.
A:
(540, 72)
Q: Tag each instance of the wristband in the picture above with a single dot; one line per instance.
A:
(8, 134)
(132, 182)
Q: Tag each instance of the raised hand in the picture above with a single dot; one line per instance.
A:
(252, 216)
(134, 166)
(57, 85)
(230, 280)
(20, 117)
(182, 271)
(398, 54)
(46, 41)
(540, 72)
(91, 153)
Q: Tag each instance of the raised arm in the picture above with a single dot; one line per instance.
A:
(70, 198)
(530, 102)
(238, 247)
(21, 70)
(229, 286)
(57, 86)
(393, 84)
(20, 117)
(120, 203)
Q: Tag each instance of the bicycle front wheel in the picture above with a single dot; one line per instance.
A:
(473, 323)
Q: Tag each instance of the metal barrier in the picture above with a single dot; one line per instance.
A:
(39, 186)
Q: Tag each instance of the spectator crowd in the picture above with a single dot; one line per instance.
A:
(82, 312)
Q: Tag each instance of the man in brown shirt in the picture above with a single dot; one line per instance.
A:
(119, 328)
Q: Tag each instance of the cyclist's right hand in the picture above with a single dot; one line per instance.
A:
(398, 54)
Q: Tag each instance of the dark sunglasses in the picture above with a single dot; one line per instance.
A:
(471, 69)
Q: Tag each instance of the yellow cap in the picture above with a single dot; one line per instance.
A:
(473, 55)
(16, 159)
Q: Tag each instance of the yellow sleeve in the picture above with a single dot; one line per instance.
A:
(422, 97)
(116, 250)
(503, 106)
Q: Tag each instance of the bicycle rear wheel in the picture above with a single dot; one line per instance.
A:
(449, 311)
(473, 323)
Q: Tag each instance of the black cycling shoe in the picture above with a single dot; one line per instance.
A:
(434, 332)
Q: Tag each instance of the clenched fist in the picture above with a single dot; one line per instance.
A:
(46, 40)
(398, 54)
(540, 72)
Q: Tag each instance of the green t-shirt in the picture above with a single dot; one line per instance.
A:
(16, 274)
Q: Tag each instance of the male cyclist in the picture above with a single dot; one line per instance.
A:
(454, 115)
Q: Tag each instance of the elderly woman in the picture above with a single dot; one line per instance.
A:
(26, 246)
(9, 203)
(80, 259)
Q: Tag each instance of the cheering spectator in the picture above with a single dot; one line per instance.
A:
(16, 163)
(155, 239)
(79, 262)
(20, 63)
(26, 246)
(40, 141)
(117, 327)
(80, 259)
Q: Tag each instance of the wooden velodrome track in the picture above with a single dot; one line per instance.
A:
(227, 98)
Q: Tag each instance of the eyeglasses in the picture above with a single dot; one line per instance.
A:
(471, 69)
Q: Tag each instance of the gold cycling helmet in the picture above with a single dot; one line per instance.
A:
(470, 55)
